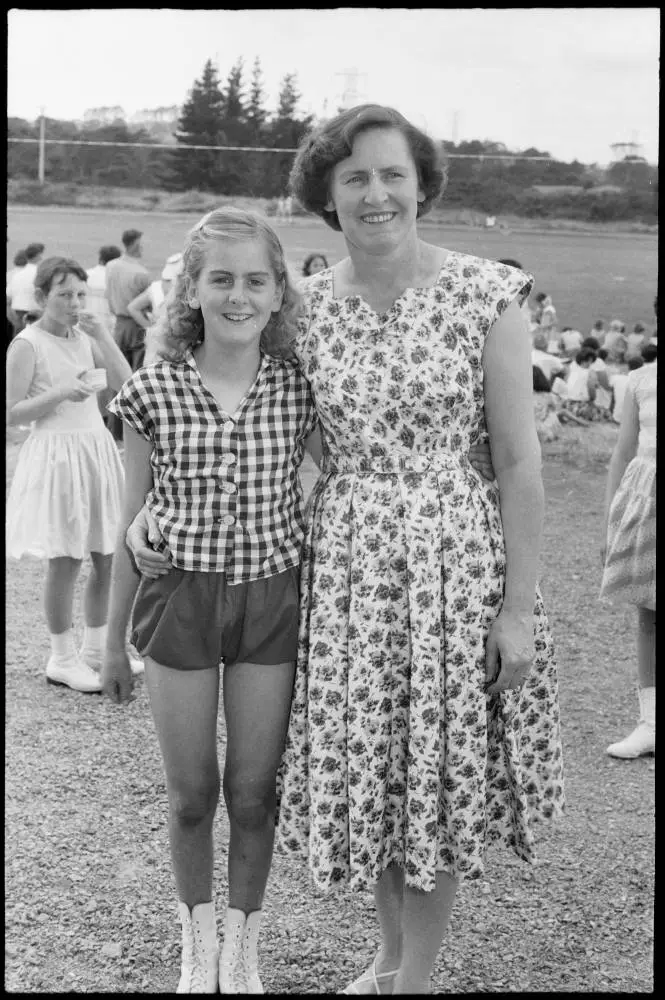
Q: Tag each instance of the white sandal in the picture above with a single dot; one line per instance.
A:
(372, 978)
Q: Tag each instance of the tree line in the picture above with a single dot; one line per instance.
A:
(234, 113)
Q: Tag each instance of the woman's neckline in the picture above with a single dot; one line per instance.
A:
(70, 335)
(355, 296)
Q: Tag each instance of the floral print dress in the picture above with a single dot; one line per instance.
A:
(395, 754)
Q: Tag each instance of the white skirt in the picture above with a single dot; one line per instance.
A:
(66, 495)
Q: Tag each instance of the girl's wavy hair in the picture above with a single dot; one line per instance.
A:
(330, 143)
(180, 327)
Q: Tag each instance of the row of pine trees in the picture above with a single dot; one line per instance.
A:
(234, 113)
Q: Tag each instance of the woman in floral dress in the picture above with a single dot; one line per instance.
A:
(425, 720)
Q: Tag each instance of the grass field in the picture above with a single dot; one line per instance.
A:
(589, 275)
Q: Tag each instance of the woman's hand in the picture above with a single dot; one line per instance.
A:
(480, 457)
(509, 652)
(93, 326)
(117, 680)
(73, 388)
(141, 535)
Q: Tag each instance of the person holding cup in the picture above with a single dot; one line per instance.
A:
(66, 494)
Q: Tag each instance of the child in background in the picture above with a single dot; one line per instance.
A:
(598, 331)
(570, 342)
(636, 340)
(629, 553)
(314, 263)
(616, 342)
(64, 501)
(215, 432)
(581, 385)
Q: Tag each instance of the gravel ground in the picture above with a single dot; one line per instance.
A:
(90, 904)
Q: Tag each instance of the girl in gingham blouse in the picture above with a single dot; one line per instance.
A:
(215, 431)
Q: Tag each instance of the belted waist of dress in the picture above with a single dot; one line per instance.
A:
(395, 465)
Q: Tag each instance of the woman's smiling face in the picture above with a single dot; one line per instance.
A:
(375, 191)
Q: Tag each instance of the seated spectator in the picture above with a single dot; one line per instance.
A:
(314, 263)
(548, 363)
(616, 342)
(570, 341)
(619, 387)
(636, 340)
(598, 331)
(582, 384)
(544, 406)
(604, 392)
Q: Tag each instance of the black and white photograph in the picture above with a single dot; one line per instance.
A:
(330, 500)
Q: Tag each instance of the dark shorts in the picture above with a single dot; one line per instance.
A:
(192, 621)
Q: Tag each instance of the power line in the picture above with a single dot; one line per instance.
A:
(155, 145)
(514, 157)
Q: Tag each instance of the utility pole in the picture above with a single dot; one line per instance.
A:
(455, 127)
(42, 123)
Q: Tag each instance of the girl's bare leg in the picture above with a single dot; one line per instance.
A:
(59, 593)
(184, 710)
(257, 704)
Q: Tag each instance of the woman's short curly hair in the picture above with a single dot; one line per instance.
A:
(179, 326)
(332, 142)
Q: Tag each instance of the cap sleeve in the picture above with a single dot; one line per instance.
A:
(509, 285)
(135, 404)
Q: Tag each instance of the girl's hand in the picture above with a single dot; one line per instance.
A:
(509, 652)
(117, 680)
(141, 535)
(91, 325)
(481, 459)
(71, 387)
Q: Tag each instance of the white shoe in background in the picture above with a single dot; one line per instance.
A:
(74, 673)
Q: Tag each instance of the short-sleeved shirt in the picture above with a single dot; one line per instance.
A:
(226, 490)
(21, 288)
(126, 277)
(96, 301)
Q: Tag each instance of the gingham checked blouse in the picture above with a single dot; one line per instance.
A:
(226, 492)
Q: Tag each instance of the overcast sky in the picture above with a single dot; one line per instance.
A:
(570, 81)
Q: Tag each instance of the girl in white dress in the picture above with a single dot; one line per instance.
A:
(66, 494)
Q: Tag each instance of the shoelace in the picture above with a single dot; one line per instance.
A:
(199, 967)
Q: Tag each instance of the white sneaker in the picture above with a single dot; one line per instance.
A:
(94, 661)
(641, 741)
(73, 672)
(200, 953)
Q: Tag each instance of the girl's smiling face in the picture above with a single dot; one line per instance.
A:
(375, 191)
(237, 290)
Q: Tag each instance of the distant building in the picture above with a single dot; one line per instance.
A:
(105, 116)
(156, 116)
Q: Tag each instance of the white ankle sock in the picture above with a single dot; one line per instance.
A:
(94, 639)
(63, 644)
